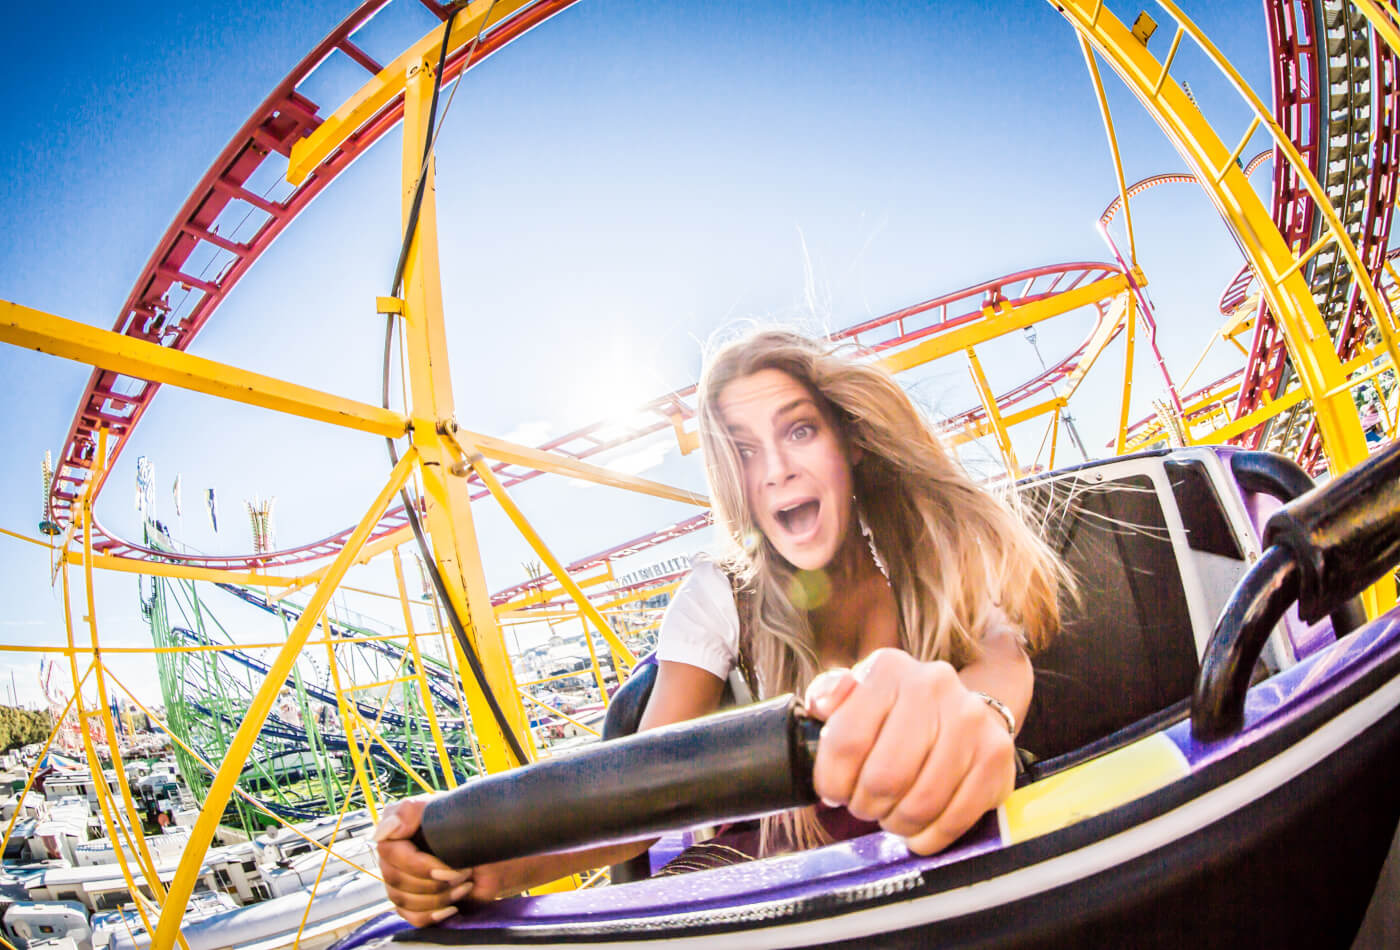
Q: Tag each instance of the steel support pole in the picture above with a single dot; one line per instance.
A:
(449, 517)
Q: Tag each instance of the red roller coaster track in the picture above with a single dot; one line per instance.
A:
(1328, 116)
(116, 402)
(287, 115)
(1343, 122)
(889, 332)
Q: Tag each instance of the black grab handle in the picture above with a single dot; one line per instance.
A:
(1268, 473)
(725, 767)
(1345, 536)
(1321, 549)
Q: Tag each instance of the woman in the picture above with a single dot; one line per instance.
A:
(864, 570)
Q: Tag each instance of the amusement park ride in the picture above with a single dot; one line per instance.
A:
(343, 712)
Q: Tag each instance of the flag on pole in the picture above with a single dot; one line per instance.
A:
(46, 522)
(146, 488)
(213, 511)
(260, 517)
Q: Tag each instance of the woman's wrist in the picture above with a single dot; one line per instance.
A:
(1003, 672)
(1000, 708)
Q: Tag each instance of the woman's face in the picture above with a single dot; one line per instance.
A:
(796, 471)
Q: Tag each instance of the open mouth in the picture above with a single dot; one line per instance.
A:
(800, 518)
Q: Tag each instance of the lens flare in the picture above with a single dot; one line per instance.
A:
(809, 590)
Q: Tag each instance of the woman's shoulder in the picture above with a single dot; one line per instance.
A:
(701, 624)
(708, 587)
(707, 568)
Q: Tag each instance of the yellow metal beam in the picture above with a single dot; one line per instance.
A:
(1104, 333)
(348, 720)
(1240, 207)
(242, 795)
(133, 565)
(621, 654)
(449, 518)
(1131, 324)
(514, 610)
(977, 430)
(1112, 146)
(390, 83)
(1211, 404)
(1380, 21)
(1246, 422)
(989, 404)
(1002, 321)
(645, 593)
(325, 861)
(546, 594)
(110, 821)
(222, 786)
(372, 730)
(43, 751)
(144, 859)
(502, 451)
(558, 712)
(1311, 348)
(24, 537)
(369, 553)
(1287, 401)
(199, 648)
(69, 339)
(421, 675)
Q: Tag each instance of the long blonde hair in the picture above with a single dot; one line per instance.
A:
(956, 555)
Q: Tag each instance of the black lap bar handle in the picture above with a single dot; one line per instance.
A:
(1321, 550)
(1270, 474)
(732, 765)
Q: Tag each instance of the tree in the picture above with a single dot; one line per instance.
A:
(21, 727)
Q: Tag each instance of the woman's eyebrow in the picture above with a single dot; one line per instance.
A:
(739, 430)
(799, 403)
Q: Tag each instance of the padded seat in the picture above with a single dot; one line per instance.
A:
(1126, 649)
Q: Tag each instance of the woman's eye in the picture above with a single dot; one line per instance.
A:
(801, 432)
(745, 453)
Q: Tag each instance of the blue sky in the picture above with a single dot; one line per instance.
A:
(615, 187)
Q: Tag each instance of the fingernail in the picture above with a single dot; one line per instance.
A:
(438, 916)
(461, 891)
(386, 827)
(829, 803)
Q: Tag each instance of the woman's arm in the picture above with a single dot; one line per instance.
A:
(1003, 671)
(424, 890)
(681, 692)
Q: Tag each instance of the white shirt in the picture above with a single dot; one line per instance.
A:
(701, 624)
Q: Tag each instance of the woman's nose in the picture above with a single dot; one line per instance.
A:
(777, 466)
